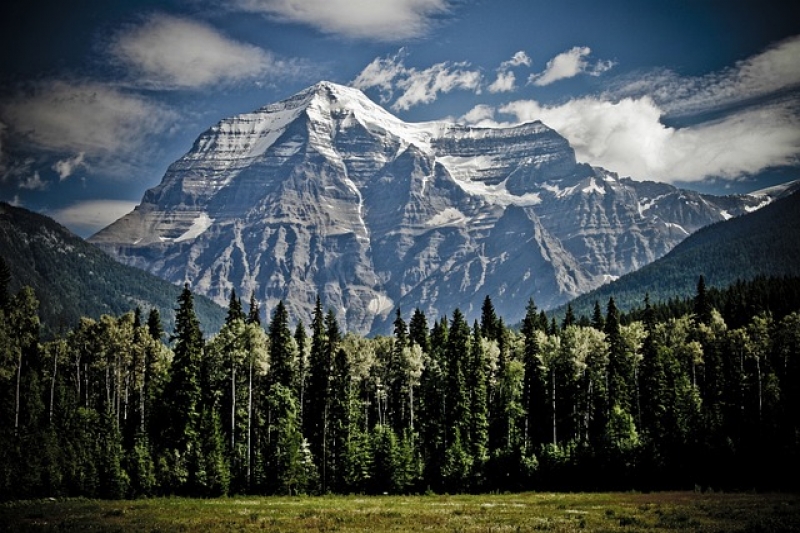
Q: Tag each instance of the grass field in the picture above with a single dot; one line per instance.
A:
(668, 511)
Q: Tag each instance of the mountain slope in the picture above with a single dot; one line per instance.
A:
(763, 243)
(327, 194)
(72, 278)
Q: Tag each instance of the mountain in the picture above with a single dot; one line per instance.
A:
(72, 278)
(765, 243)
(328, 194)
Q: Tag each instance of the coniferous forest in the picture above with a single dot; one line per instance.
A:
(703, 395)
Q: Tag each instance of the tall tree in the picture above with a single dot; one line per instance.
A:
(182, 394)
(282, 350)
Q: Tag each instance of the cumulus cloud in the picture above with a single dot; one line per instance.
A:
(415, 86)
(628, 137)
(167, 52)
(506, 80)
(382, 20)
(89, 217)
(66, 167)
(568, 65)
(85, 117)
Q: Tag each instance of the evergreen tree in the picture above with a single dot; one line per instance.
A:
(254, 312)
(418, 331)
(154, 327)
(478, 405)
(457, 461)
(598, 322)
(533, 392)
(290, 469)
(315, 410)
(235, 311)
(569, 318)
(182, 396)
(620, 368)
(702, 307)
(5, 282)
(490, 327)
(283, 364)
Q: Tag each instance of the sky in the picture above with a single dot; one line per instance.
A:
(98, 98)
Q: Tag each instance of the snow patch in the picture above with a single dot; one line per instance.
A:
(380, 304)
(448, 217)
(593, 187)
(199, 226)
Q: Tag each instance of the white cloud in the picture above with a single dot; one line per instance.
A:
(424, 86)
(381, 73)
(66, 167)
(415, 86)
(517, 60)
(568, 65)
(167, 52)
(775, 70)
(89, 217)
(33, 183)
(382, 20)
(85, 116)
(506, 82)
(628, 137)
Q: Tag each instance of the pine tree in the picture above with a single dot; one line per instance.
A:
(418, 331)
(533, 392)
(254, 312)
(489, 322)
(316, 396)
(182, 395)
(235, 311)
(702, 307)
(283, 364)
(598, 322)
(154, 327)
(457, 461)
(478, 405)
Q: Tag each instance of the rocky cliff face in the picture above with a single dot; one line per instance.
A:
(328, 194)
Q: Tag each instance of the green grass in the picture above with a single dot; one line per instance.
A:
(606, 512)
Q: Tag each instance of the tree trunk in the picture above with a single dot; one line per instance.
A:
(16, 401)
(53, 384)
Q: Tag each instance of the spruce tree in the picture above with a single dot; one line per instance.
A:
(489, 322)
(418, 331)
(254, 312)
(478, 405)
(154, 327)
(182, 395)
(283, 364)
(534, 398)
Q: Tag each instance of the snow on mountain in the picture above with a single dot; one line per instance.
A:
(327, 193)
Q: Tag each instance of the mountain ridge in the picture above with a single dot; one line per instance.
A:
(325, 193)
(74, 279)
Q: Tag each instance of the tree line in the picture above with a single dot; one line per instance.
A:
(115, 408)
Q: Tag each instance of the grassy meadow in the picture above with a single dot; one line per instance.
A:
(668, 511)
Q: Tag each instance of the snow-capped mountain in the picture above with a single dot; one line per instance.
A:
(327, 193)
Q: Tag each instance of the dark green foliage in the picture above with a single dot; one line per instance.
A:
(652, 403)
(73, 279)
(763, 244)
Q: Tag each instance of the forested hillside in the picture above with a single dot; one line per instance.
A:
(765, 243)
(73, 279)
(108, 410)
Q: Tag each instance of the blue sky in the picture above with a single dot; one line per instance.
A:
(97, 98)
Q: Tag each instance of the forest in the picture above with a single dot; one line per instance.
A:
(698, 396)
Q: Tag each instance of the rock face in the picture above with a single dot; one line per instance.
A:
(327, 194)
